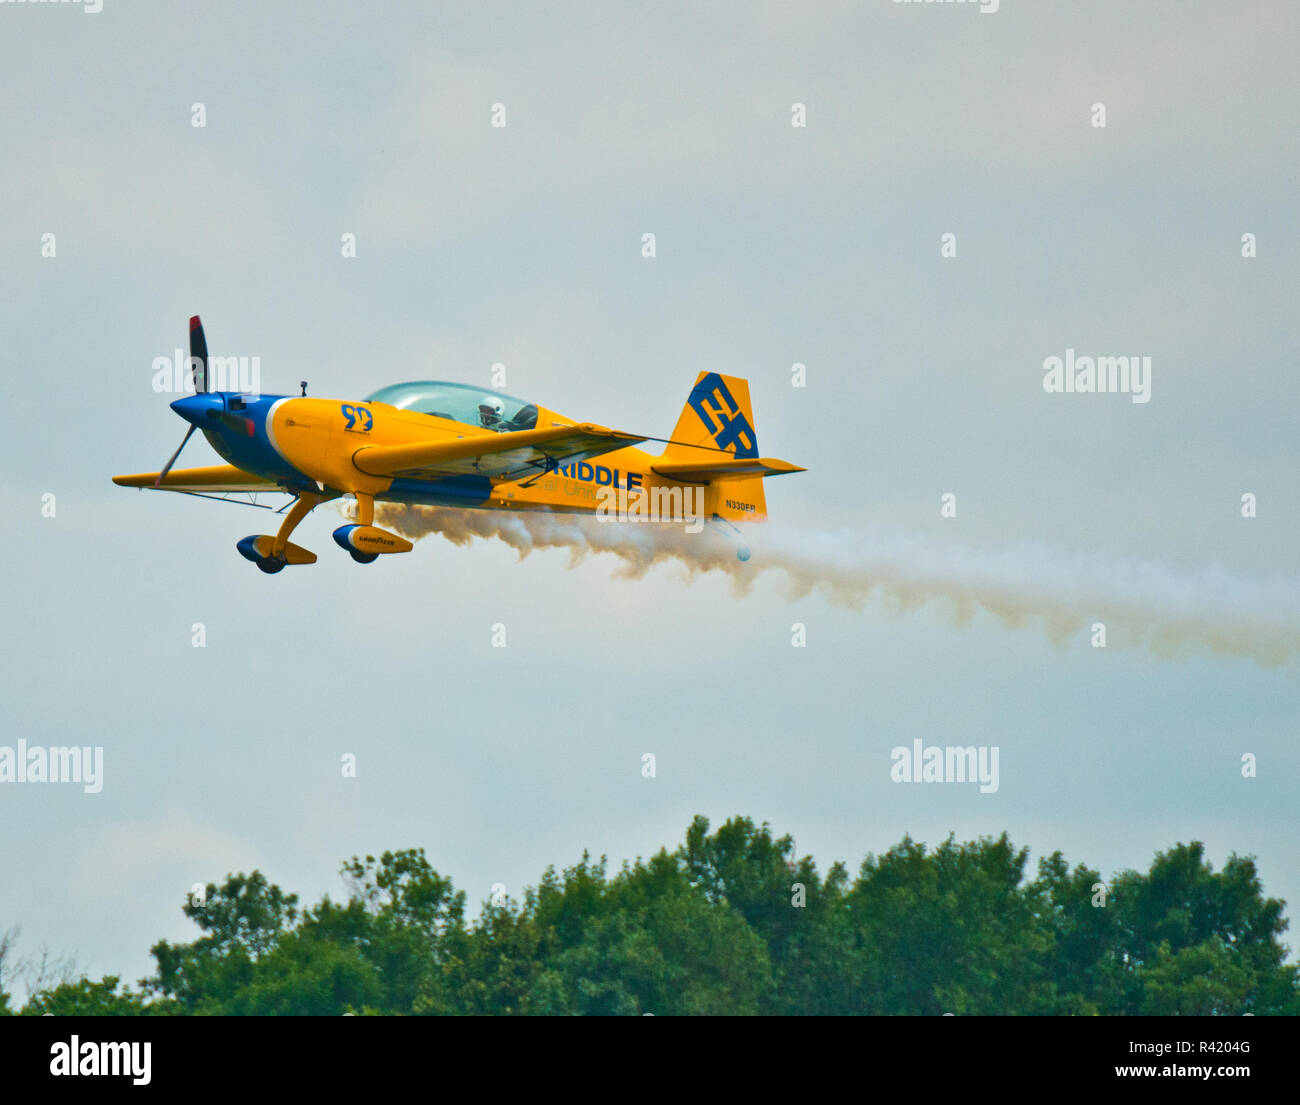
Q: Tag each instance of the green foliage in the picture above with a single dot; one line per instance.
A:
(643, 942)
(244, 919)
(1183, 906)
(732, 922)
(1200, 980)
(84, 998)
(951, 931)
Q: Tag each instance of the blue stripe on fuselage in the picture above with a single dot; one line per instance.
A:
(449, 491)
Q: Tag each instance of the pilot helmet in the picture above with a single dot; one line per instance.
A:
(490, 410)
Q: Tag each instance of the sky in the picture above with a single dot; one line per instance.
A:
(775, 246)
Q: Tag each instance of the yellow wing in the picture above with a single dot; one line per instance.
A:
(219, 477)
(492, 454)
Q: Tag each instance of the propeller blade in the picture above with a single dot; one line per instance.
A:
(199, 354)
(237, 422)
(168, 466)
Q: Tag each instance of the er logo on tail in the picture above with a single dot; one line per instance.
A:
(723, 416)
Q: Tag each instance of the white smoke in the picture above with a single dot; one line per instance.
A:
(1063, 594)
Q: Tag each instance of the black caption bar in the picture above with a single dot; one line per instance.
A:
(169, 1053)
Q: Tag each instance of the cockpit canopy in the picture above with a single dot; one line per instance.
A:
(460, 402)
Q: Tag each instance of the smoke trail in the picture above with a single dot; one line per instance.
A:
(1140, 603)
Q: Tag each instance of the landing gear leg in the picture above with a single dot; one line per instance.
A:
(363, 540)
(271, 554)
(365, 517)
(307, 502)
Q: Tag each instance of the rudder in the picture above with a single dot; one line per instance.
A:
(717, 416)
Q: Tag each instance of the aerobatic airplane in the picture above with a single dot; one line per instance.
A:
(455, 445)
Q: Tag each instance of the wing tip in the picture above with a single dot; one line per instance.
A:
(185, 479)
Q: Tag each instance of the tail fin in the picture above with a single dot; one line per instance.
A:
(714, 443)
(717, 416)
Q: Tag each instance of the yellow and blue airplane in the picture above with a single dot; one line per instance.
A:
(455, 445)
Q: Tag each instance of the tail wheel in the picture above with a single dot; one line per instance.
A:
(364, 557)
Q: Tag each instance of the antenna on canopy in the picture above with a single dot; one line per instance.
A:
(303, 384)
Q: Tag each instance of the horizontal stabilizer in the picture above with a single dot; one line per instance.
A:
(724, 469)
(219, 477)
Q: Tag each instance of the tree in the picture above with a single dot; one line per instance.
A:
(1085, 922)
(951, 931)
(84, 998)
(730, 922)
(1183, 904)
(1200, 980)
(647, 941)
(243, 920)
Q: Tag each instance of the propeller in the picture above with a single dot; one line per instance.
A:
(198, 356)
(199, 374)
(168, 466)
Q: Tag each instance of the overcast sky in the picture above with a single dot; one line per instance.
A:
(522, 245)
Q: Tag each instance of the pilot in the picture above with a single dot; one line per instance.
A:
(490, 411)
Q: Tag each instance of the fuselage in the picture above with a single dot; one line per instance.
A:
(309, 445)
